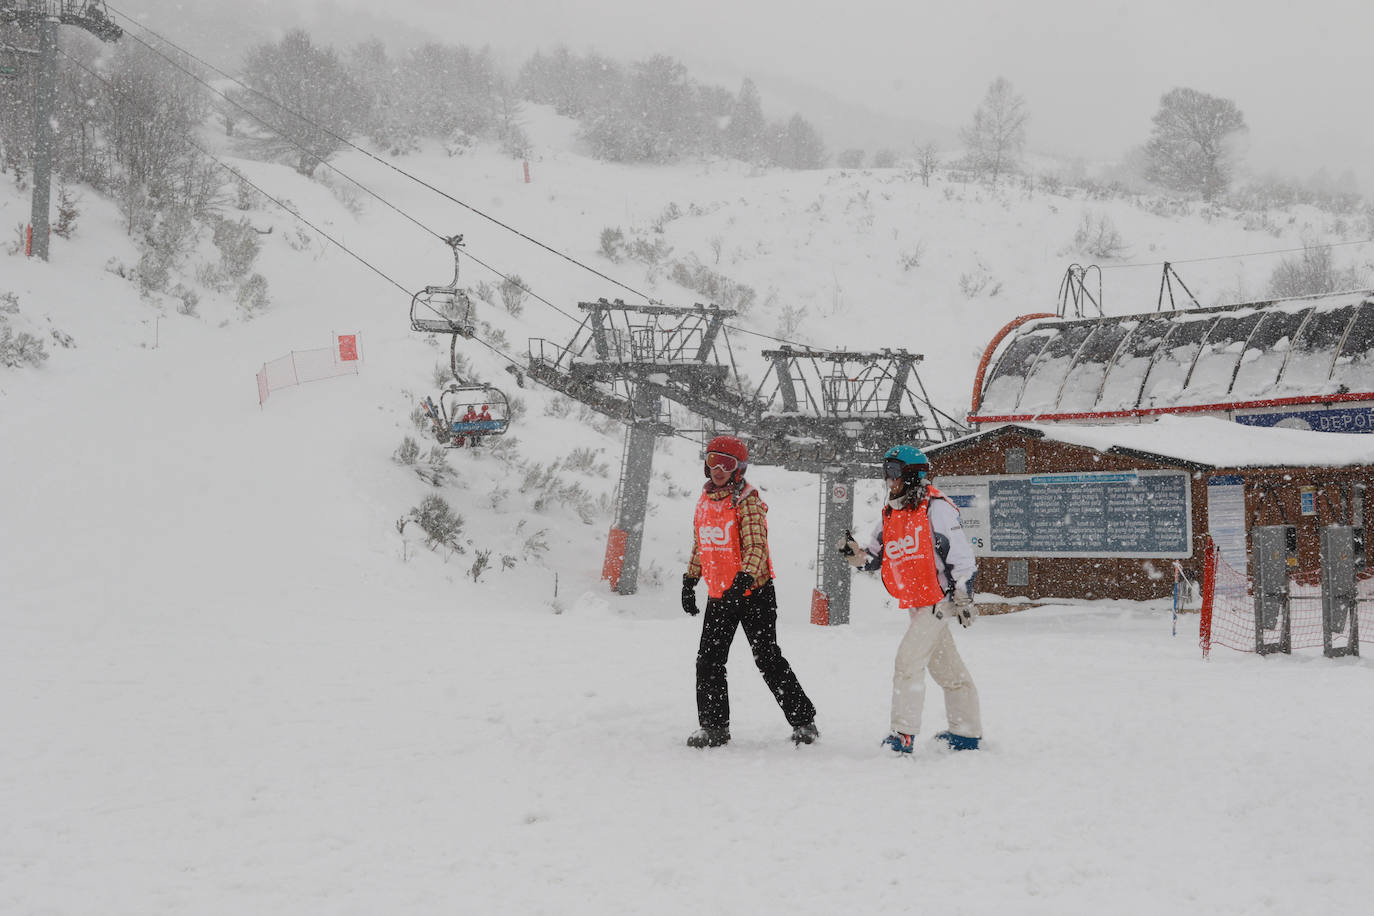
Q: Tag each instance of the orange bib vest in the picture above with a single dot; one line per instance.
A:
(909, 556)
(718, 545)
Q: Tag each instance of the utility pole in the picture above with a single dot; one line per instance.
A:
(44, 16)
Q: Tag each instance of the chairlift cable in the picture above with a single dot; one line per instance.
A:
(332, 240)
(334, 168)
(403, 172)
(1233, 257)
(382, 161)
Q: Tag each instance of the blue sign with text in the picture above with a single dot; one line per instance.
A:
(1335, 420)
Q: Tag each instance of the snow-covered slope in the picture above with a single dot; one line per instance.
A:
(232, 685)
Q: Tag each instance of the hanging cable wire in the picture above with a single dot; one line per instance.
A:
(403, 172)
(288, 110)
(1232, 257)
(293, 212)
(329, 165)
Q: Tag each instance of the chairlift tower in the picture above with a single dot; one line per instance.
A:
(834, 414)
(623, 361)
(45, 16)
(828, 413)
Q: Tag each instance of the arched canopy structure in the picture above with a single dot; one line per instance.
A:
(1318, 349)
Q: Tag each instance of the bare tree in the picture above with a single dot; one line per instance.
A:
(998, 132)
(927, 161)
(153, 108)
(1313, 273)
(1193, 146)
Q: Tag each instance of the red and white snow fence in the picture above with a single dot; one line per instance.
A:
(301, 366)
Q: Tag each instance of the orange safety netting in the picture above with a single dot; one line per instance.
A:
(1228, 610)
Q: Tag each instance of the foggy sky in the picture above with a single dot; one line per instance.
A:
(1092, 73)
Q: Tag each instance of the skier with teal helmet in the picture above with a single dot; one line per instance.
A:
(927, 564)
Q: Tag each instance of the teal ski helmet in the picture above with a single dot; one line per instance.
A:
(907, 462)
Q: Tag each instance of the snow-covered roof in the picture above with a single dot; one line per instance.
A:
(1238, 353)
(1206, 441)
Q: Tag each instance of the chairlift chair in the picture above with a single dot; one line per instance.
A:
(444, 309)
(451, 428)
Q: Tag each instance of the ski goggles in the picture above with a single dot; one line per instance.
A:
(892, 469)
(726, 463)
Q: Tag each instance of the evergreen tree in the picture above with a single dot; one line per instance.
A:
(746, 131)
(799, 145)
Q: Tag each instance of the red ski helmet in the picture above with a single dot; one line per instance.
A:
(730, 447)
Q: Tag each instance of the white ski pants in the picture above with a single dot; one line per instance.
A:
(929, 644)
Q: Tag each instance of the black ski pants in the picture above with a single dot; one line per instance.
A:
(757, 614)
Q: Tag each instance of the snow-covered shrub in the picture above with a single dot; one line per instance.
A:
(514, 294)
(459, 143)
(67, 212)
(408, 451)
(670, 213)
(496, 338)
(789, 320)
(546, 487)
(188, 300)
(585, 461)
(717, 288)
(979, 281)
(252, 295)
(1097, 237)
(436, 471)
(238, 245)
(20, 349)
(911, 259)
(650, 253)
(438, 521)
(613, 246)
(420, 420)
(168, 237)
(534, 545)
(1313, 272)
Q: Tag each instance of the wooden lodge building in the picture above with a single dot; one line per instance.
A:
(1091, 512)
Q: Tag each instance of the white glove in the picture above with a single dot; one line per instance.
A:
(959, 606)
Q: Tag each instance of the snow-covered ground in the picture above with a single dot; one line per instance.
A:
(230, 685)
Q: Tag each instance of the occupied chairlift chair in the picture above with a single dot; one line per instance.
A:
(449, 310)
(447, 416)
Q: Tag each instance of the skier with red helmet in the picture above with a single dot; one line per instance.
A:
(928, 566)
(730, 551)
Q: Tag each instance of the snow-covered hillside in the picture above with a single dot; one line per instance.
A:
(232, 685)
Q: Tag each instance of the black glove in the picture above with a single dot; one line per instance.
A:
(743, 582)
(853, 551)
(689, 595)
